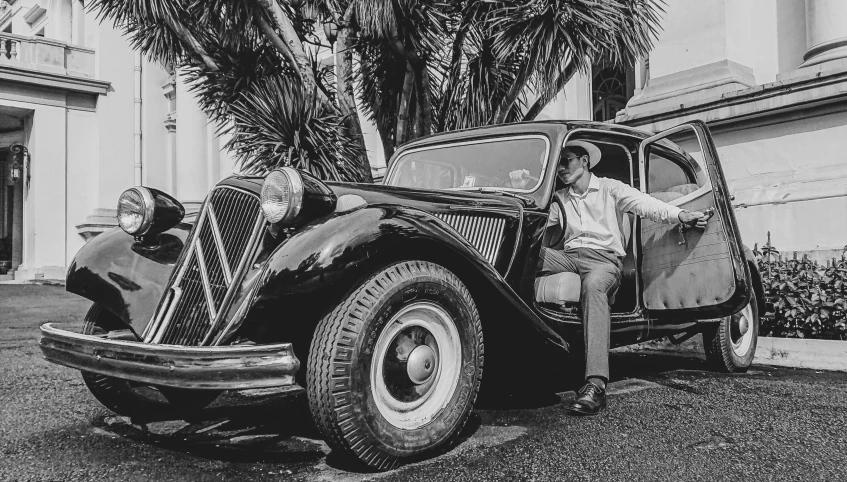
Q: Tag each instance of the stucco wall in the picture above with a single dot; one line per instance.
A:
(793, 175)
(45, 208)
(789, 178)
(192, 170)
(82, 175)
(115, 111)
(156, 171)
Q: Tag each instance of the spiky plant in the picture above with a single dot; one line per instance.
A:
(279, 123)
(414, 66)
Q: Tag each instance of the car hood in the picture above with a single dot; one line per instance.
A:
(380, 194)
(430, 200)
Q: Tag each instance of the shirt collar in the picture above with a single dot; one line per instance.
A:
(593, 184)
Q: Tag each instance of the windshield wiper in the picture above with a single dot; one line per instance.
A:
(528, 201)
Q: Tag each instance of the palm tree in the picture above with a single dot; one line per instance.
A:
(418, 66)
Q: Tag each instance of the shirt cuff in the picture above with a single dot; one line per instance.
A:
(673, 213)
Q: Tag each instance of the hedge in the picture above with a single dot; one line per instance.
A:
(809, 299)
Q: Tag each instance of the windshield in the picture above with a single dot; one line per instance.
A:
(511, 164)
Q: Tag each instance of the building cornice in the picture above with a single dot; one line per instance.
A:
(799, 91)
(56, 81)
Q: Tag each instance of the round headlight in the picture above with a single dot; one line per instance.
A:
(282, 195)
(135, 211)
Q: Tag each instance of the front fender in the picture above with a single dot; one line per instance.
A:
(125, 277)
(316, 268)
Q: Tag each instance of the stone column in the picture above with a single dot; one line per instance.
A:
(700, 55)
(78, 23)
(826, 31)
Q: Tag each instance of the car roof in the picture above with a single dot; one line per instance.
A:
(551, 127)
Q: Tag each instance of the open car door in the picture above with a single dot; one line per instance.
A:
(685, 270)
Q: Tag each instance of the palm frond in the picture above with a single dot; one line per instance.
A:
(278, 124)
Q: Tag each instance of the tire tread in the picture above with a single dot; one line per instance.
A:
(335, 422)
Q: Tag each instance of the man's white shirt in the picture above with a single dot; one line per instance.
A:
(592, 218)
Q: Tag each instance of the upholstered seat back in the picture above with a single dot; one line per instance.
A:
(675, 192)
(561, 288)
(558, 288)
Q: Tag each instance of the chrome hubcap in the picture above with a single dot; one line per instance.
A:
(740, 334)
(416, 365)
(421, 364)
(742, 325)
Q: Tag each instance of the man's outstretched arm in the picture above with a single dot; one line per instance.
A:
(632, 200)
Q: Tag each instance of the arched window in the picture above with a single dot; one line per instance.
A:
(609, 92)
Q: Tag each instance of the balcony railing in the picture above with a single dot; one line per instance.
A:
(47, 55)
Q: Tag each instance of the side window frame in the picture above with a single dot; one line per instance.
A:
(692, 169)
(675, 159)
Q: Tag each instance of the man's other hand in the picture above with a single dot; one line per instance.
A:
(694, 218)
(519, 179)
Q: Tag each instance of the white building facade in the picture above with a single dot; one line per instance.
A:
(770, 79)
(95, 118)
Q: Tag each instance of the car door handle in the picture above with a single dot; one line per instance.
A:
(682, 227)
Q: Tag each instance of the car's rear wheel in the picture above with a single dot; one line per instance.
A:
(394, 370)
(131, 399)
(730, 345)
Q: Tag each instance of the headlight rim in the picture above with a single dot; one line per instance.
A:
(295, 188)
(148, 205)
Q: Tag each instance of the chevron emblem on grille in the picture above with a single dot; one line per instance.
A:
(217, 251)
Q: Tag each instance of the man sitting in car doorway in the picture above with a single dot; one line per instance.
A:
(593, 248)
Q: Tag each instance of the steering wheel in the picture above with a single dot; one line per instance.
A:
(554, 235)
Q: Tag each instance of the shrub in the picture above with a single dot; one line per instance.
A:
(809, 299)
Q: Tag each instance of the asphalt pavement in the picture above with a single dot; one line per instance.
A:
(669, 418)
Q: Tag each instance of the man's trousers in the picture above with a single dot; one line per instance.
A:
(600, 272)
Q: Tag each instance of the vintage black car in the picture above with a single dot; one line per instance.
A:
(386, 291)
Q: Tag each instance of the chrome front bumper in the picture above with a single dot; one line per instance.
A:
(197, 367)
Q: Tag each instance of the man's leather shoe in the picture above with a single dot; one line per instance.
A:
(590, 400)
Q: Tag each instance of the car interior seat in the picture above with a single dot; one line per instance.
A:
(564, 288)
(675, 192)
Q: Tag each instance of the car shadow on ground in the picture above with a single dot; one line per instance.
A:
(558, 382)
(278, 427)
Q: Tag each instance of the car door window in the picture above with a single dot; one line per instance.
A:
(667, 178)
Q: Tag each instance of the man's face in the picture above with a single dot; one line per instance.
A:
(571, 166)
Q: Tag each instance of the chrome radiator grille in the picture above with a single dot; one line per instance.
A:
(221, 243)
(485, 233)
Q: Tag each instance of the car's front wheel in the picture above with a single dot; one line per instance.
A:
(730, 345)
(394, 370)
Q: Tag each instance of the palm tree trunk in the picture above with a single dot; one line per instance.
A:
(552, 91)
(424, 100)
(346, 96)
(405, 102)
(289, 36)
(509, 99)
(387, 141)
(191, 42)
(452, 79)
(278, 44)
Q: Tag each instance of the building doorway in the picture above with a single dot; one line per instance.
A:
(11, 211)
(12, 182)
